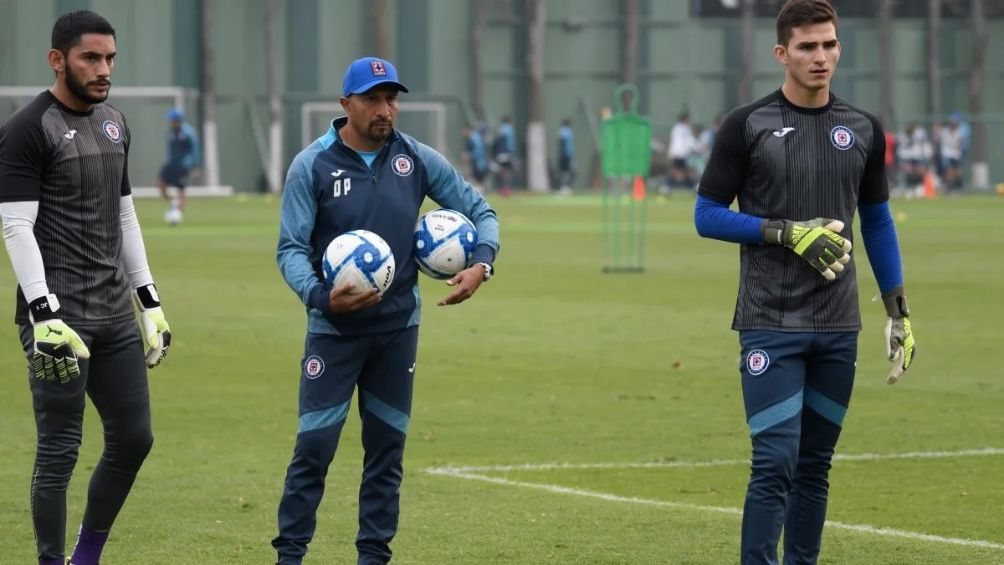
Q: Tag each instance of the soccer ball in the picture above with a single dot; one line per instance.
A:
(173, 216)
(359, 257)
(444, 243)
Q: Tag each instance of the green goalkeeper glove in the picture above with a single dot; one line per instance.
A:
(57, 346)
(900, 347)
(817, 241)
(152, 324)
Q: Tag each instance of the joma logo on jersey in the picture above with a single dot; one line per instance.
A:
(842, 138)
(341, 186)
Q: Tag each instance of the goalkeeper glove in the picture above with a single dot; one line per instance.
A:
(817, 241)
(152, 324)
(57, 347)
(900, 346)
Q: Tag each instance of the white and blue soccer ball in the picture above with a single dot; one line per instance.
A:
(444, 243)
(359, 257)
(173, 216)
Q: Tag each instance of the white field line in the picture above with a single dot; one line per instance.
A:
(711, 463)
(472, 473)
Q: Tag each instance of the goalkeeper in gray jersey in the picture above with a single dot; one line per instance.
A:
(71, 232)
(800, 162)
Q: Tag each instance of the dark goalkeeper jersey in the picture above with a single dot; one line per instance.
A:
(74, 165)
(785, 162)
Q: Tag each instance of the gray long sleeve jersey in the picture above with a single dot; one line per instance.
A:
(74, 165)
(781, 161)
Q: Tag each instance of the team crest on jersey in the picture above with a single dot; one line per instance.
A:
(402, 165)
(757, 362)
(313, 367)
(379, 70)
(842, 138)
(112, 131)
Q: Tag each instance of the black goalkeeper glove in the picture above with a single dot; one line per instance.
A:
(57, 346)
(817, 241)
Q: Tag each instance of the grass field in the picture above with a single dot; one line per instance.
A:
(561, 416)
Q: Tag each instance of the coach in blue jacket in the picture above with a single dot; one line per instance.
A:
(363, 174)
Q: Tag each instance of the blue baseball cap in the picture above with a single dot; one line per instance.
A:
(363, 74)
(175, 114)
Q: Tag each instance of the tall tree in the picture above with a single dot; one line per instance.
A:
(378, 23)
(977, 76)
(536, 136)
(744, 91)
(274, 173)
(885, 11)
(477, 33)
(629, 71)
(210, 135)
(934, 58)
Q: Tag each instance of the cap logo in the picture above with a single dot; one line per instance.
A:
(842, 138)
(313, 367)
(402, 165)
(112, 131)
(757, 362)
(378, 68)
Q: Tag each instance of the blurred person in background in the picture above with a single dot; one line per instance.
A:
(891, 158)
(504, 153)
(952, 145)
(182, 161)
(965, 130)
(681, 146)
(915, 154)
(566, 157)
(475, 156)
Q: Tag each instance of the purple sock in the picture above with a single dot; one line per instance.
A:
(89, 546)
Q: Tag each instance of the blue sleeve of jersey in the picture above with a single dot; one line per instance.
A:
(715, 220)
(879, 234)
(296, 224)
(194, 158)
(448, 188)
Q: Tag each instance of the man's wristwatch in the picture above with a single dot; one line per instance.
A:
(488, 270)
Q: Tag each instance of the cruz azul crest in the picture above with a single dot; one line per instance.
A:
(757, 362)
(112, 131)
(402, 165)
(842, 138)
(313, 367)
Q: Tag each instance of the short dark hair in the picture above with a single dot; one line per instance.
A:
(801, 13)
(70, 26)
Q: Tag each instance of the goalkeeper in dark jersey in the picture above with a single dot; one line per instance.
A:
(71, 232)
(800, 161)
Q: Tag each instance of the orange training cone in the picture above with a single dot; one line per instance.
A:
(929, 190)
(638, 189)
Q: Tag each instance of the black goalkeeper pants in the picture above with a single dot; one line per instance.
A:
(115, 379)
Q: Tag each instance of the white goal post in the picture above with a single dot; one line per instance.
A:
(426, 121)
(145, 108)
